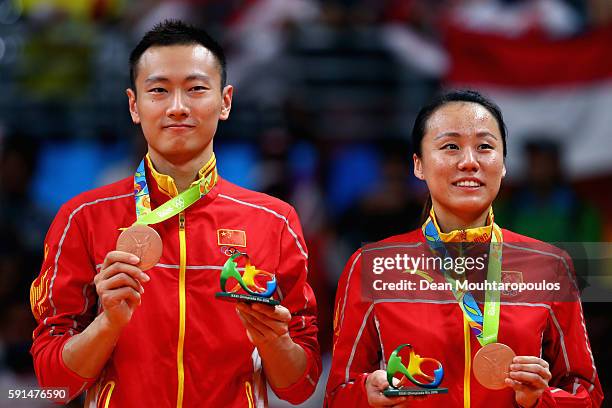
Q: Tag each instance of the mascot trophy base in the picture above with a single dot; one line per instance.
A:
(407, 391)
(240, 297)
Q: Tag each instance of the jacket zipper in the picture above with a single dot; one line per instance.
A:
(468, 363)
(181, 336)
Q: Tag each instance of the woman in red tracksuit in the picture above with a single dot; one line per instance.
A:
(460, 145)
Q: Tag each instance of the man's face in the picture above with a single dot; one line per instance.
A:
(179, 100)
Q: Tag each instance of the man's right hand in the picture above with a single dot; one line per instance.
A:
(119, 287)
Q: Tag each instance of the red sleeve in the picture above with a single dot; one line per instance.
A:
(356, 351)
(297, 296)
(63, 302)
(574, 381)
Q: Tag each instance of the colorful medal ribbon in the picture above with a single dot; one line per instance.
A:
(146, 216)
(485, 327)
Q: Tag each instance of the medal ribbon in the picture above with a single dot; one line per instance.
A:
(146, 216)
(484, 326)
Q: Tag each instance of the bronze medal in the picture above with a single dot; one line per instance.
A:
(492, 364)
(142, 241)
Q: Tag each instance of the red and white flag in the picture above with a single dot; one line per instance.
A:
(560, 87)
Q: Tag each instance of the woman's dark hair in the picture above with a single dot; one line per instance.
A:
(461, 95)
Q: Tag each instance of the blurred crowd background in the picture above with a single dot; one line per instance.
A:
(325, 96)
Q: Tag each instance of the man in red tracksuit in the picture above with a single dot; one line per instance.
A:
(161, 338)
(367, 328)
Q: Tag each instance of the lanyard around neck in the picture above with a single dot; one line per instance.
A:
(484, 326)
(145, 215)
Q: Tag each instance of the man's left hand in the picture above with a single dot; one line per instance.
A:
(265, 324)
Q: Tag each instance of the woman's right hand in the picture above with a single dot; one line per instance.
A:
(376, 383)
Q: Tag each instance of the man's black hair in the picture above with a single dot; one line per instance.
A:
(175, 32)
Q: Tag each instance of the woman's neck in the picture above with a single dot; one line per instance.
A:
(183, 172)
(448, 221)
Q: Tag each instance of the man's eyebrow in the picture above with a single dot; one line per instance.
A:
(192, 77)
(156, 78)
(201, 77)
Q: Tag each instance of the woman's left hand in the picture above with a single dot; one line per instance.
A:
(529, 378)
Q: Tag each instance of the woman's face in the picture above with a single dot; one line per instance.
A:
(462, 159)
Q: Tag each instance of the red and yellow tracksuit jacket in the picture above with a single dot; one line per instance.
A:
(366, 331)
(182, 347)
